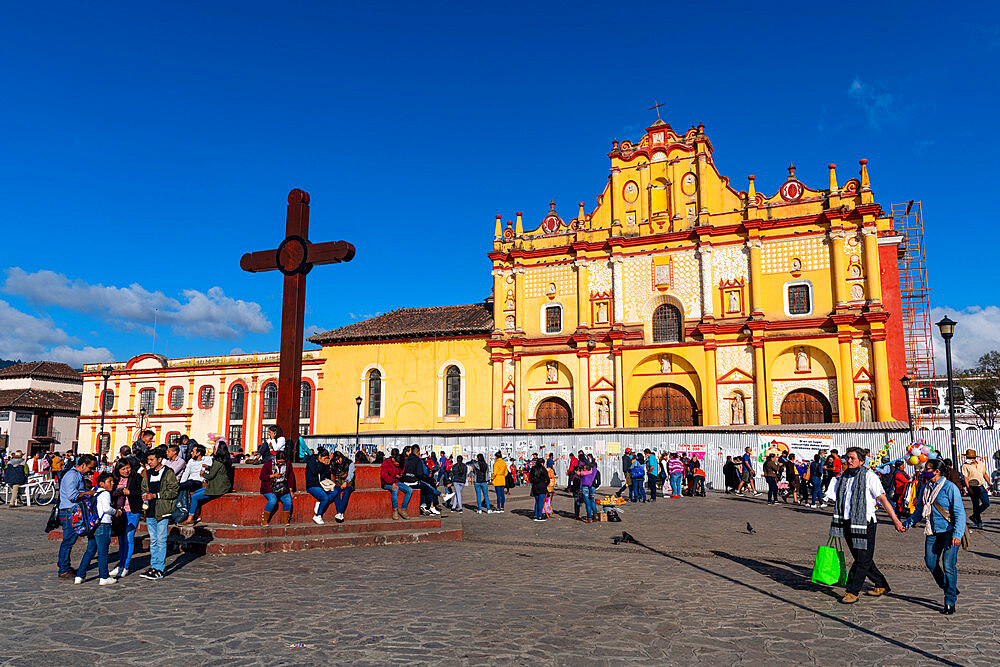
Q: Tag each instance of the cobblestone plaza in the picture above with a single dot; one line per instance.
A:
(697, 589)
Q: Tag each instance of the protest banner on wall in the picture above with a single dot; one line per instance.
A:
(804, 446)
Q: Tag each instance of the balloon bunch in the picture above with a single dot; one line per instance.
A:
(919, 452)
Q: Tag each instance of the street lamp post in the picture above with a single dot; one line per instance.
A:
(905, 381)
(947, 329)
(105, 373)
(357, 427)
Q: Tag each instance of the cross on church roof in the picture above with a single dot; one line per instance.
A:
(656, 107)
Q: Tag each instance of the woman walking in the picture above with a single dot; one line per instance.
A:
(771, 469)
(941, 509)
(587, 476)
(499, 480)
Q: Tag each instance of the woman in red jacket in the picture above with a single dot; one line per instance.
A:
(276, 483)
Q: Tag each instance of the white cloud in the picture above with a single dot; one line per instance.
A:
(878, 105)
(29, 338)
(209, 314)
(977, 332)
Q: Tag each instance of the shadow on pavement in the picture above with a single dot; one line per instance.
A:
(790, 575)
(798, 605)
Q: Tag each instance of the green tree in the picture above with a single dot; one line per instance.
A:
(982, 387)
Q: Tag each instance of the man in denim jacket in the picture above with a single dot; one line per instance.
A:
(943, 531)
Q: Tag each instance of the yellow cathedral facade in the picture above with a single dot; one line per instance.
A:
(679, 301)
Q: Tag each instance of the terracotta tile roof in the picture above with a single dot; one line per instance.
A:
(40, 399)
(51, 370)
(437, 321)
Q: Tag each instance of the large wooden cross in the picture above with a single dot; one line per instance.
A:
(294, 257)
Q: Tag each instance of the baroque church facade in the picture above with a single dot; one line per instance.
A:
(678, 301)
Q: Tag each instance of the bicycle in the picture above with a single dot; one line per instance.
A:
(38, 491)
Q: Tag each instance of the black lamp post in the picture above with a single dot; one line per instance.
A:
(947, 328)
(905, 381)
(357, 428)
(105, 373)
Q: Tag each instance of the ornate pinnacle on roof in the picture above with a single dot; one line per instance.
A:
(497, 231)
(791, 171)
(833, 177)
(751, 191)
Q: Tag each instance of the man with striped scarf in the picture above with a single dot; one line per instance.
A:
(858, 490)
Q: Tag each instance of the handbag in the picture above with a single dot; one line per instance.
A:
(508, 481)
(830, 567)
(53, 523)
(327, 484)
(965, 535)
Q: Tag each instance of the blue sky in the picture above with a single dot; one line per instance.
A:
(146, 146)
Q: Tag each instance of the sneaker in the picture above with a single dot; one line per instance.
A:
(448, 496)
(113, 573)
(152, 574)
(123, 573)
(536, 519)
(107, 582)
(756, 493)
(318, 520)
(433, 510)
(480, 512)
(488, 512)
(78, 580)
(542, 519)
(338, 517)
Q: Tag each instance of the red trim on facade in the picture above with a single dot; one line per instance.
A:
(895, 349)
(169, 391)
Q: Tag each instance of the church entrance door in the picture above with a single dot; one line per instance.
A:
(667, 405)
(553, 413)
(806, 406)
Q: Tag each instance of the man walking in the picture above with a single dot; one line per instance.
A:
(974, 472)
(943, 532)
(859, 489)
(747, 473)
(72, 488)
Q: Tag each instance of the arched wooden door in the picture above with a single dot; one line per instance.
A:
(553, 413)
(806, 406)
(667, 405)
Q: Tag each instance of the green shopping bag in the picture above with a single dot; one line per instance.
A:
(831, 566)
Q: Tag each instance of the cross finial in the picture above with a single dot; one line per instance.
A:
(656, 107)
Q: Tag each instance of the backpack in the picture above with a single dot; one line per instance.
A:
(637, 470)
(84, 518)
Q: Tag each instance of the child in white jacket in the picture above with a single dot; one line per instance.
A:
(100, 539)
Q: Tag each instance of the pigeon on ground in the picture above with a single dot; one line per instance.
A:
(750, 529)
(628, 539)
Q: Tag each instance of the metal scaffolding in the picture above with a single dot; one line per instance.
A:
(907, 218)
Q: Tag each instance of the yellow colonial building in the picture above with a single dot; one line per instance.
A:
(677, 301)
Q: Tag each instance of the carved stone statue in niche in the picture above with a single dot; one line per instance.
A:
(801, 360)
(508, 414)
(509, 323)
(552, 372)
(603, 413)
(508, 367)
(602, 312)
(734, 302)
(739, 409)
(865, 409)
(509, 305)
(854, 271)
(665, 366)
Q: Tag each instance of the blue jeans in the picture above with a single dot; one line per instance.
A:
(500, 491)
(157, 542)
(324, 498)
(980, 502)
(588, 500)
(340, 497)
(126, 541)
(676, 480)
(482, 495)
(631, 489)
(68, 540)
(817, 491)
(96, 544)
(196, 497)
(640, 490)
(272, 502)
(652, 485)
(394, 491)
(941, 559)
(540, 506)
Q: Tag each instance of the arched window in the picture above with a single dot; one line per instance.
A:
(206, 397)
(375, 393)
(305, 401)
(667, 324)
(176, 398)
(109, 400)
(147, 400)
(270, 410)
(237, 396)
(453, 391)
